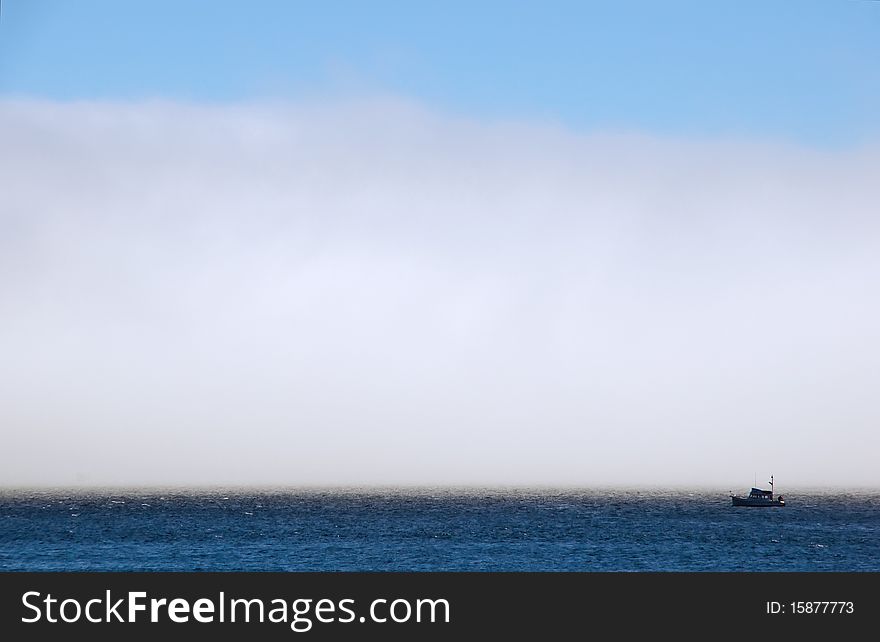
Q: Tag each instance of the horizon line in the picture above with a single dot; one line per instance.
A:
(229, 487)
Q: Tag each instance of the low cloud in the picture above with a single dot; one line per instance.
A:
(372, 292)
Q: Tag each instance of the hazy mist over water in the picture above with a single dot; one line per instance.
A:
(374, 293)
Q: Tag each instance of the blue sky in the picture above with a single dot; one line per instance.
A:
(439, 242)
(807, 71)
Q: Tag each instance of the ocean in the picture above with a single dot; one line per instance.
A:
(434, 530)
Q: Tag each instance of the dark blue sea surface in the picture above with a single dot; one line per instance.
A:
(433, 530)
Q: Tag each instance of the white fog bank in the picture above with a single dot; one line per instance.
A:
(374, 293)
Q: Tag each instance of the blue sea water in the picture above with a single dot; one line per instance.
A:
(434, 530)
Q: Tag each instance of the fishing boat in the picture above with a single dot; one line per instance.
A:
(759, 497)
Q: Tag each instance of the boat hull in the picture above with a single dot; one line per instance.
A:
(757, 503)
